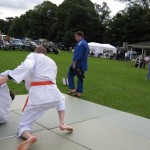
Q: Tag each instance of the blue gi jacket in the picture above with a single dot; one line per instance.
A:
(81, 55)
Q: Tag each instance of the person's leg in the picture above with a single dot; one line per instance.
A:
(30, 139)
(144, 65)
(71, 81)
(139, 65)
(79, 87)
(63, 126)
(148, 74)
(30, 115)
(61, 112)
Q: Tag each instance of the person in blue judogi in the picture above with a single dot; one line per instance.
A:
(79, 64)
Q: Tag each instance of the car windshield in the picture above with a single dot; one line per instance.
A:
(17, 41)
(33, 43)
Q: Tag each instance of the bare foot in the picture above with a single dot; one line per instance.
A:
(26, 144)
(66, 127)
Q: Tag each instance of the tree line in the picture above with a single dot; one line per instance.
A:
(58, 23)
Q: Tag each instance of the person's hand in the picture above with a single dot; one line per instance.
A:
(73, 65)
(3, 80)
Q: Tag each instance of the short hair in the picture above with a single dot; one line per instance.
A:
(40, 49)
(12, 95)
(79, 33)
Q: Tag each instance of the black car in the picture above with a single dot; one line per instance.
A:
(16, 44)
(30, 45)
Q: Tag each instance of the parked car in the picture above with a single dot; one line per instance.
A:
(30, 45)
(6, 45)
(16, 44)
(51, 47)
(1, 43)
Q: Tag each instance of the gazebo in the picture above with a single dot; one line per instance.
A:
(141, 48)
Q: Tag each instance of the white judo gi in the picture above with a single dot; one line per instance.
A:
(38, 68)
(5, 100)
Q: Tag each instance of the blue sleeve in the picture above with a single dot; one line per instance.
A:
(78, 52)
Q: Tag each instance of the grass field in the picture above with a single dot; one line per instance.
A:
(112, 83)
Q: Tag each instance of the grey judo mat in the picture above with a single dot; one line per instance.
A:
(96, 127)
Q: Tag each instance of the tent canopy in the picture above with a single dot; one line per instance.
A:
(101, 48)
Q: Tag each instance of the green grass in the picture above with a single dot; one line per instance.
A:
(112, 83)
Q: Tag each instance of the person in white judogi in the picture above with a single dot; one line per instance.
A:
(5, 99)
(39, 73)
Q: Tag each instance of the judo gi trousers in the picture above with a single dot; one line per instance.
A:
(33, 112)
(71, 75)
(5, 103)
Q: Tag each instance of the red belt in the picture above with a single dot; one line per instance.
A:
(41, 83)
(37, 84)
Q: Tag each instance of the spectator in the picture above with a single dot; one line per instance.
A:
(79, 64)
(148, 74)
(141, 61)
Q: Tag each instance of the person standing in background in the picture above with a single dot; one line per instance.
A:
(79, 64)
(148, 74)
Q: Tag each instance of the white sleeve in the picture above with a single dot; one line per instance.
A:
(5, 73)
(27, 83)
(21, 72)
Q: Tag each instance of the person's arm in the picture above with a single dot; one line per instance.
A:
(3, 79)
(77, 55)
(79, 52)
(22, 71)
(74, 64)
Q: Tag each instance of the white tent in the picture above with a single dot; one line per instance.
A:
(101, 49)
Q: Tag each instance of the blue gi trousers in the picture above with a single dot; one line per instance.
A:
(148, 74)
(71, 75)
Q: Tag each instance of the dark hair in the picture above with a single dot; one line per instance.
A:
(79, 33)
(12, 95)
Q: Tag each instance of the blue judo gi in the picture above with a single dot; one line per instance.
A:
(80, 56)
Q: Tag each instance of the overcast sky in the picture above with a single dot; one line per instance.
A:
(12, 8)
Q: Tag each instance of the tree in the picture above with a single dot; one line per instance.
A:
(74, 15)
(36, 23)
(15, 29)
(144, 3)
(2, 24)
(131, 25)
(103, 12)
(5, 24)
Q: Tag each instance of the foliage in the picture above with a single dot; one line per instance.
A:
(144, 3)
(103, 12)
(131, 25)
(4, 25)
(15, 30)
(74, 15)
(58, 23)
(36, 23)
